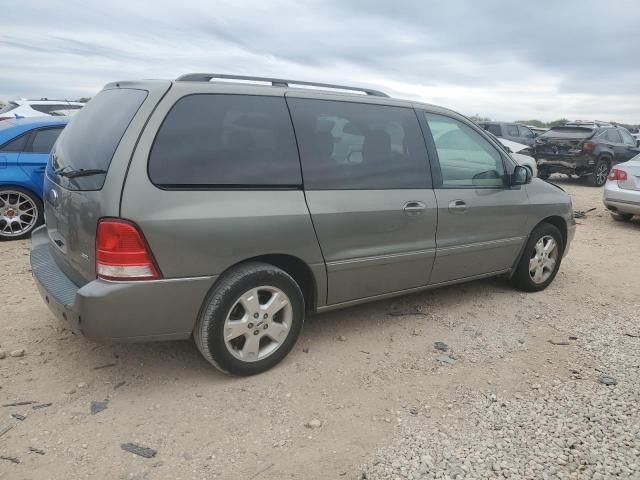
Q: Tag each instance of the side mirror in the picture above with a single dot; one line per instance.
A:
(521, 176)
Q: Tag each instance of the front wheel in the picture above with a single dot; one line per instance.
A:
(20, 213)
(251, 319)
(540, 260)
(600, 173)
(622, 217)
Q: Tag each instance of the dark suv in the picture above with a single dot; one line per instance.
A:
(511, 131)
(584, 149)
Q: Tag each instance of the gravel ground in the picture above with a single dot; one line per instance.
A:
(583, 423)
(366, 392)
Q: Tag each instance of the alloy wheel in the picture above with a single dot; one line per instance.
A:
(543, 259)
(258, 323)
(18, 213)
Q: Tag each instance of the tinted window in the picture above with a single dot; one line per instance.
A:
(91, 139)
(15, 145)
(627, 138)
(466, 158)
(8, 107)
(613, 136)
(525, 132)
(512, 130)
(359, 146)
(43, 140)
(493, 128)
(226, 140)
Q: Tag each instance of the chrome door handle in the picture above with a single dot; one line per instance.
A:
(458, 206)
(413, 207)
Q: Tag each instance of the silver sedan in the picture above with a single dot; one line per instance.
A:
(622, 190)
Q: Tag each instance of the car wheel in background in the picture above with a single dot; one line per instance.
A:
(540, 260)
(622, 217)
(543, 174)
(600, 173)
(251, 319)
(20, 212)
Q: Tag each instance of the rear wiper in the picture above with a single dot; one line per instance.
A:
(81, 173)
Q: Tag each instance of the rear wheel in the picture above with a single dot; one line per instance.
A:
(251, 319)
(20, 213)
(600, 173)
(540, 260)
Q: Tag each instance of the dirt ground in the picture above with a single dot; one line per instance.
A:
(361, 372)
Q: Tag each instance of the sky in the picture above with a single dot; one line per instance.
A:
(542, 59)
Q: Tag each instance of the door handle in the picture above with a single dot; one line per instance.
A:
(458, 206)
(413, 207)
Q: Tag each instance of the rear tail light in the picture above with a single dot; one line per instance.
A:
(122, 253)
(588, 146)
(617, 174)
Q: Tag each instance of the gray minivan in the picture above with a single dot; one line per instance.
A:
(229, 210)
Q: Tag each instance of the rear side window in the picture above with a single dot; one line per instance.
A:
(353, 146)
(43, 140)
(226, 140)
(493, 128)
(15, 145)
(91, 138)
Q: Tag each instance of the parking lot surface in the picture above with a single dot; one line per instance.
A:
(519, 387)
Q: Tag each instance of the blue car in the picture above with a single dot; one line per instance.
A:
(24, 150)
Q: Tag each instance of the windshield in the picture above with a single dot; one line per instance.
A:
(91, 139)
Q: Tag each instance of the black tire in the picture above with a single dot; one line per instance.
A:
(622, 217)
(38, 214)
(225, 296)
(600, 173)
(522, 276)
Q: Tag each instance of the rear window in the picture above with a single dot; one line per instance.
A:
(568, 132)
(212, 140)
(8, 107)
(90, 140)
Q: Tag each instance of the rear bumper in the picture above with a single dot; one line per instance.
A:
(560, 163)
(118, 311)
(620, 200)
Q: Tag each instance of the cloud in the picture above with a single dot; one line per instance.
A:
(541, 59)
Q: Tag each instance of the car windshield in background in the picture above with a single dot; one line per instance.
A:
(568, 132)
(88, 143)
(8, 107)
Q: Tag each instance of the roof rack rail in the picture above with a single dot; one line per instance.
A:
(276, 82)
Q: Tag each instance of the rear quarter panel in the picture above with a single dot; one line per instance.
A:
(195, 233)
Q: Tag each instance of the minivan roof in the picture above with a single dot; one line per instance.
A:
(201, 83)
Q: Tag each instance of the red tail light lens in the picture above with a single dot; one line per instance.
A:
(588, 146)
(617, 174)
(122, 252)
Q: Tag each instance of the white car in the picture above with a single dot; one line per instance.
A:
(622, 190)
(521, 159)
(35, 108)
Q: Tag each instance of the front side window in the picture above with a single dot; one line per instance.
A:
(494, 128)
(512, 131)
(466, 158)
(627, 138)
(525, 132)
(357, 146)
(43, 140)
(226, 140)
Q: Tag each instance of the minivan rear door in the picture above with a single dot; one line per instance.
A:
(368, 188)
(87, 167)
